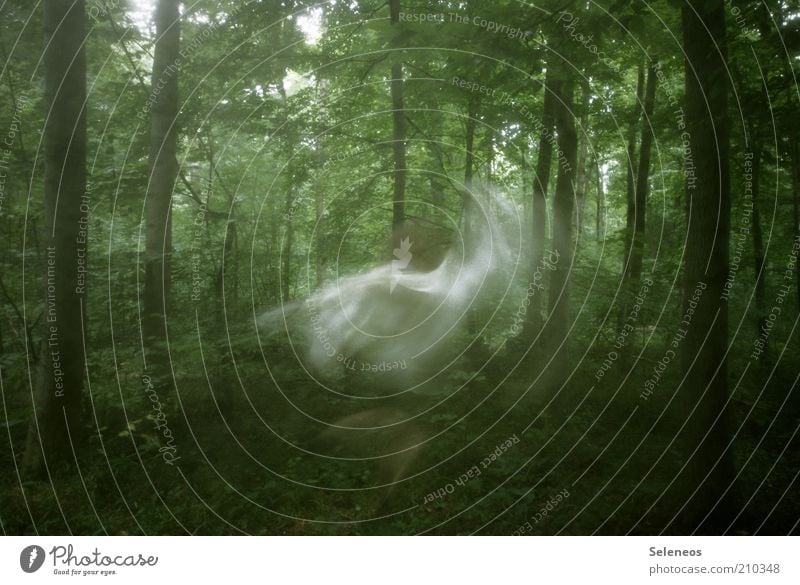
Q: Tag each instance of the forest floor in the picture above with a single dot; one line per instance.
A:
(498, 457)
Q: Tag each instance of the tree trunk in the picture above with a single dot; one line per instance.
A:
(582, 170)
(698, 404)
(436, 178)
(399, 132)
(630, 182)
(541, 179)
(273, 251)
(319, 212)
(642, 182)
(599, 220)
(56, 425)
(758, 246)
(563, 205)
(469, 146)
(467, 198)
(163, 173)
(489, 160)
(288, 241)
(796, 205)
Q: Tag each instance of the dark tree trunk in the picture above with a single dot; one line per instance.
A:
(288, 242)
(582, 171)
(436, 178)
(630, 179)
(541, 179)
(467, 197)
(642, 182)
(469, 145)
(399, 132)
(796, 205)
(489, 159)
(563, 207)
(273, 251)
(758, 246)
(319, 212)
(56, 426)
(699, 403)
(163, 174)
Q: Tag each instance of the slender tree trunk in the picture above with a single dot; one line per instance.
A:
(288, 214)
(273, 251)
(563, 206)
(437, 177)
(582, 186)
(230, 270)
(469, 144)
(599, 223)
(541, 179)
(288, 242)
(489, 159)
(582, 170)
(163, 174)
(56, 425)
(321, 124)
(758, 245)
(698, 404)
(399, 132)
(630, 181)
(467, 198)
(319, 207)
(796, 205)
(642, 182)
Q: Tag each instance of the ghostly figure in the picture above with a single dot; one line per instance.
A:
(388, 333)
(400, 321)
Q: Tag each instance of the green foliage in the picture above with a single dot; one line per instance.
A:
(285, 152)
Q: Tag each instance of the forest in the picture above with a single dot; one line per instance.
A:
(399, 267)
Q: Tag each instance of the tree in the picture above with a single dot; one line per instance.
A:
(630, 176)
(533, 321)
(563, 206)
(398, 131)
(163, 174)
(600, 204)
(759, 257)
(642, 185)
(56, 424)
(700, 401)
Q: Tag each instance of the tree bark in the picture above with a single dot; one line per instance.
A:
(699, 402)
(163, 174)
(796, 205)
(630, 180)
(642, 182)
(582, 172)
(288, 241)
(467, 198)
(563, 207)
(436, 178)
(541, 179)
(399, 132)
(599, 221)
(758, 246)
(57, 420)
(319, 213)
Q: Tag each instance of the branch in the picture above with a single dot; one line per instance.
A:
(194, 195)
